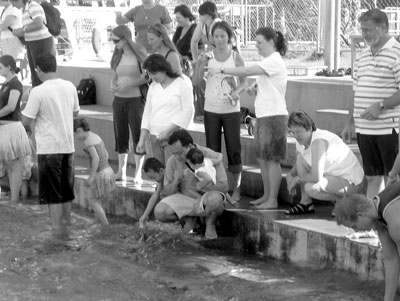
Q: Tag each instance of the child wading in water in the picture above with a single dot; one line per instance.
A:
(102, 178)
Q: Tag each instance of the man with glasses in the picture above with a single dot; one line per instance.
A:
(374, 114)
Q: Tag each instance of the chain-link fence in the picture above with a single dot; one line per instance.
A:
(299, 20)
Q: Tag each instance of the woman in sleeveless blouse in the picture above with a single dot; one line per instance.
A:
(222, 105)
(128, 102)
(14, 142)
(208, 17)
(184, 32)
(160, 42)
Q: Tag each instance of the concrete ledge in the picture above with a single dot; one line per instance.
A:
(127, 199)
(311, 241)
(332, 120)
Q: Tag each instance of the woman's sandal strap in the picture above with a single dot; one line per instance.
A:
(300, 209)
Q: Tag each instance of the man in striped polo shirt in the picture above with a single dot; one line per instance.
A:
(374, 115)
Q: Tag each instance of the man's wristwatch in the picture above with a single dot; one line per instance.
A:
(381, 105)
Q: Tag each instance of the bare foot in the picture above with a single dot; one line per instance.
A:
(236, 195)
(211, 233)
(138, 181)
(268, 205)
(259, 201)
(190, 223)
(120, 177)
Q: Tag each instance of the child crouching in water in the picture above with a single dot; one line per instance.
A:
(101, 180)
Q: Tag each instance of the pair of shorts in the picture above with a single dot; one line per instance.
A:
(378, 152)
(188, 206)
(56, 178)
(334, 185)
(270, 137)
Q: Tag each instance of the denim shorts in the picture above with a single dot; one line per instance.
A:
(56, 178)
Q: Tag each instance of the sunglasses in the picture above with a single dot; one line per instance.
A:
(115, 41)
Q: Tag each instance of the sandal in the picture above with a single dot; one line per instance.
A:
(300, 209)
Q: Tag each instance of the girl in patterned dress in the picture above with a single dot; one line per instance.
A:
(101, 179)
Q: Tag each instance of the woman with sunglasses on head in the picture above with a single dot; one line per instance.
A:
(38, 38)
(159, 41)
(144, 16)
(169, 106)
(128, 101)
(222, 104)
(14, 142)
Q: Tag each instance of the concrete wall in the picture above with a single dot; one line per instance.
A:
(306, 93)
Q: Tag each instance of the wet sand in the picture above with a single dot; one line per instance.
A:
(123, 262)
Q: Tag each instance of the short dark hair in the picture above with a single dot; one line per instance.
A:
(184, 11)
(208, 8)
(375, 15)
(195, 156)
(157, 63)
(47, 62)
(182, 136)
(81, 122)
(301, 118)
(152, 164)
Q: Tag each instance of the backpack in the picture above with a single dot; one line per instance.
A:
(86, 91)
(53, 18)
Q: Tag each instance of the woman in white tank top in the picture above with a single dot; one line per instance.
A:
(222, 105)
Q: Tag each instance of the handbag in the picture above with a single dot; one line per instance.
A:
(144, 88)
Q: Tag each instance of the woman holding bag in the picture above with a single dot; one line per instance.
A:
(128, 102)
(169, 106)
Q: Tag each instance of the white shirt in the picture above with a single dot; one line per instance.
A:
(172, 105)
(340, 161)
(11, 11)
(208, 169)
(270, 99)
(52, 105)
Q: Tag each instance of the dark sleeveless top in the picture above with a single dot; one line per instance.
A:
(387, 196)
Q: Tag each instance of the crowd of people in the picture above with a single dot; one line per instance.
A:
(154, 102)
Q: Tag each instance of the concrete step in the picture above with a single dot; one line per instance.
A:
(309, 240)
(101, 122)
(332, 120)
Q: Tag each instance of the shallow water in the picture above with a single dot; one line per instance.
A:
(123, 262)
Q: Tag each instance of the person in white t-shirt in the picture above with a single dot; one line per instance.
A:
(11, 19)
(169, 106)
(270, 108)
(52, 106)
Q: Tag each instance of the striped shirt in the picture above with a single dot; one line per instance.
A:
(31, 11)
(377, 77)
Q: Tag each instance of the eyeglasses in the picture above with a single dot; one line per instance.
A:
(115, 41)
